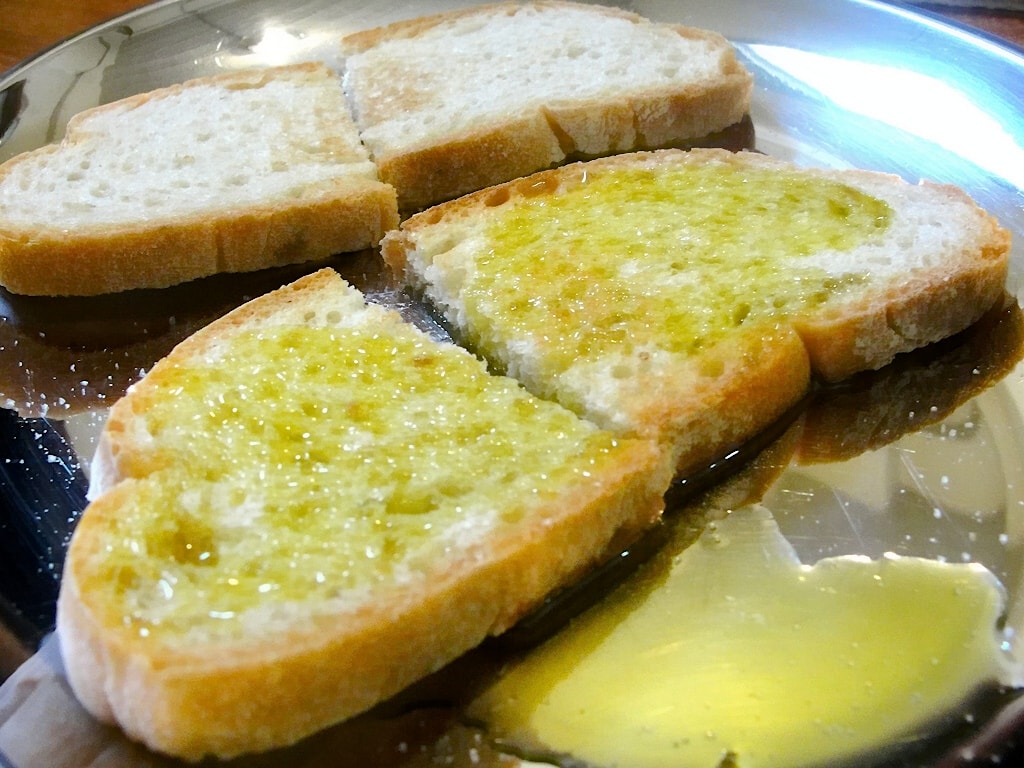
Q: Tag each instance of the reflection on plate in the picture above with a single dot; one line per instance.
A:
(923, 458)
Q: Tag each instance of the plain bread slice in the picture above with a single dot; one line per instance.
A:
(458, 101)
(228, 173)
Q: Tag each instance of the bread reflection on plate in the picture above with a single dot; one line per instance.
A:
(920, 458)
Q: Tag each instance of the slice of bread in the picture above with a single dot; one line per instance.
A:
(458, 101)
(230, 173)
(309, 505)
(689, 296)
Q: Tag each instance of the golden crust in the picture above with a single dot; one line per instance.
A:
(492, 155)
(191, 701)
(845, 421)
(470, 162)
(343, 216)
(703, 410)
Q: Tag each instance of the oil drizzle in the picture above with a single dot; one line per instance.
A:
(851, 654)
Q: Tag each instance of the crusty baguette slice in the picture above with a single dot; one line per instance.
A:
(229, 173)
(310, 504)
(688, 296)
(458, 101)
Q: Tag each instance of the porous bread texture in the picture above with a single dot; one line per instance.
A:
(229, 173)
(294, 667)
(940, 264)
(451, 103)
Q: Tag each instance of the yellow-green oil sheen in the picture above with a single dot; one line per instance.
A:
(732, 649)
(673, 257)
(309, 461)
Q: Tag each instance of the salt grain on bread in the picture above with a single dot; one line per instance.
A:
(230, 173)
(455, 102)
(689, 297)
(309, 505)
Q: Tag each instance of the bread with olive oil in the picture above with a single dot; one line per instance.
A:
(689, 297)
(457, 101)
(228, 173)
(309, 505)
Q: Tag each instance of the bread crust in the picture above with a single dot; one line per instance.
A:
(534, 138)
(256, 695)
(869, 412)
(765, 369)
(340, 217)
(193, 702)
(705, 410)
(465, 163)
(337, 215)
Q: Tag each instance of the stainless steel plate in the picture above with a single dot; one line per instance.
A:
(939, 470)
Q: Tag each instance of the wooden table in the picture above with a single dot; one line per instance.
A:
(29, 26)
(1008, 25)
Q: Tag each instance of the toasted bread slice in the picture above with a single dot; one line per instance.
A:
(458, 101)
(230, 173)
(689, 296)
(310, 504)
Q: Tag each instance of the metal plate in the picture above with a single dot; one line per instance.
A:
(844, 83)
